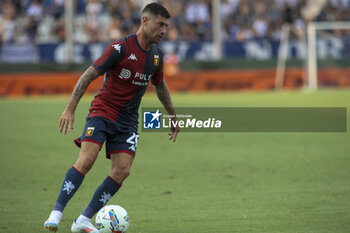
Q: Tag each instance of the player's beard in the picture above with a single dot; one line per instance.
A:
(153, 38)
(157, 39)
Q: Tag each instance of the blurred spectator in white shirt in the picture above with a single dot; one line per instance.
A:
(226, 9)
(93, 12)
(197, 11)
(7, 23)
(260, 26)
(35, 10)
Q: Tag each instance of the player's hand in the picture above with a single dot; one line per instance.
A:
(66, 121)
(174, 130)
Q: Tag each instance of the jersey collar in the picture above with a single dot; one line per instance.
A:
(138, 45)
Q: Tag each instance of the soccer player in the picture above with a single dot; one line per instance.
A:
(128, 65)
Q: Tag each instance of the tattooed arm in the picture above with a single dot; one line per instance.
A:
(67, 117)
(164, 97)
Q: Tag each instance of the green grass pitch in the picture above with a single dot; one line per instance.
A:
(205, 182)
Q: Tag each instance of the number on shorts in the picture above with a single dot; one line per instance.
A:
(133, 139)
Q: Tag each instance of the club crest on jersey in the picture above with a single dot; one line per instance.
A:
(89, 131)
(156, 60)
(125, 73)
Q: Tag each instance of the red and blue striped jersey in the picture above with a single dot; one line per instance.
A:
(127, 69)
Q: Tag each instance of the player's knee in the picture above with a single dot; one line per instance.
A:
(83, 167)
(87, 165)
(124, 172)
(120, 173)
(84, 163)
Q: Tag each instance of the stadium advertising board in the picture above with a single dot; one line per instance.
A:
(251, 49)
(18, 53)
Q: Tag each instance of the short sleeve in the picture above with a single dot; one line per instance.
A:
(110, 57)
(158, 76)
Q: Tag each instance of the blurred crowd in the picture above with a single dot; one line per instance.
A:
(42, 21)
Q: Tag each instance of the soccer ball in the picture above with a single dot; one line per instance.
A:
(112, 219)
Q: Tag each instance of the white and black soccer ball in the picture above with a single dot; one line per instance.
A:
(112, 219)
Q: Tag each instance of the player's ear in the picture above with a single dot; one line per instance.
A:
(144, 19)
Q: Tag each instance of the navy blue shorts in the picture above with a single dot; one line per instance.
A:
(119, 138)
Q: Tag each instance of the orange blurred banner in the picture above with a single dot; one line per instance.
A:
(28, 84)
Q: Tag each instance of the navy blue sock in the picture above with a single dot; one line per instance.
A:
(70, 185)
(102, 195)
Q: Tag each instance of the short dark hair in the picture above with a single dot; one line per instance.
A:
(156, 9)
